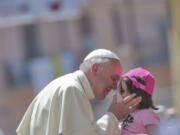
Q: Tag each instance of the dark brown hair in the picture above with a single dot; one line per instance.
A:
(146, 98)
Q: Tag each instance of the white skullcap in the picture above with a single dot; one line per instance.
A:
(101, 53)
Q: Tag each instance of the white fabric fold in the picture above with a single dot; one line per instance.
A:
(63, 108)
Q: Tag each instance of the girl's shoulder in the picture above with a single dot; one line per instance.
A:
(146, 113)
(148, 116)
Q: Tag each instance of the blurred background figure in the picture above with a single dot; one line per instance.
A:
(1, 132)
(144, 33)
(170, 125)
(41, 72)
(170, 113)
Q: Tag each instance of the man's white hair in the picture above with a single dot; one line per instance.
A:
(97, 56)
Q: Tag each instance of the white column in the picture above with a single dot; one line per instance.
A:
(103, 27)
(49, 35)
(74, 34)
(175, 51)
(2, 79)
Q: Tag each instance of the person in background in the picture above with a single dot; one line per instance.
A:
(170, 124)
(143, 119)
(63, 106)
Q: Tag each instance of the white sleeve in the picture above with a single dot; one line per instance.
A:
(77, 119)
(108, 125)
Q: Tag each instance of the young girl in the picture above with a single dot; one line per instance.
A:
(143, 120)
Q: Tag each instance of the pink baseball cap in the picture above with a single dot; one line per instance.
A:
(144, 74)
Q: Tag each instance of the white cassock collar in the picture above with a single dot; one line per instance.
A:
(85, 84)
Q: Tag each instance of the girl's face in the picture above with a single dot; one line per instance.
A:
(123, 89)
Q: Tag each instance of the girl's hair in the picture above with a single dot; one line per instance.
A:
(146, 98)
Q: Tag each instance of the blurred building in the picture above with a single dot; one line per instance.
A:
(135, 29)
(59, 34)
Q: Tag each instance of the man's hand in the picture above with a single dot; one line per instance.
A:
(122, 108)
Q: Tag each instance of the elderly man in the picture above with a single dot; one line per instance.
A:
(63, 106)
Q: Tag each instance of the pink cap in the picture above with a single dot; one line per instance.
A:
(144, 74)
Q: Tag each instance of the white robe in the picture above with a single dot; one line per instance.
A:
(63, 108)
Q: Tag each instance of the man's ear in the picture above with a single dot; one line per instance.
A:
(95, 68)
